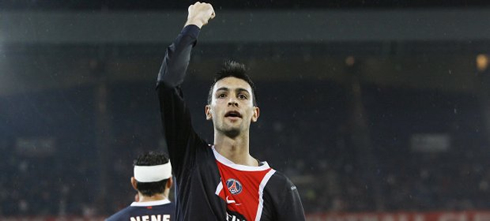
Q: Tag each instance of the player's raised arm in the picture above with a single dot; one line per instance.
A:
(177, 57)
(176, 118)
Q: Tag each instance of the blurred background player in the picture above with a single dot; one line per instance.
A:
(152, 179)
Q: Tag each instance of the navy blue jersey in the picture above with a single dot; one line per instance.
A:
(162, 210)
(209, 187)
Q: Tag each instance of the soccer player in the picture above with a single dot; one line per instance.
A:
(152, 179)
(219, 181)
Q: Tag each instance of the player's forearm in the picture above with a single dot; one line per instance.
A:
(174, 65)
(177, 57)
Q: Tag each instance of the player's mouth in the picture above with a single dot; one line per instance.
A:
(233, 114)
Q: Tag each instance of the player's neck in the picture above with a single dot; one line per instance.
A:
(156, 197)
(234, 149)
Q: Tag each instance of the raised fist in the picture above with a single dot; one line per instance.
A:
(200, 14)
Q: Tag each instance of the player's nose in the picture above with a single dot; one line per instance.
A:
(232, 101)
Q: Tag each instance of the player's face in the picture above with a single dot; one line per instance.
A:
(231, 107)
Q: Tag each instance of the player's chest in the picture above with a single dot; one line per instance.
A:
(242, 190)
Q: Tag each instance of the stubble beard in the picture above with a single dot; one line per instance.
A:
(232, 133)
(229, 130)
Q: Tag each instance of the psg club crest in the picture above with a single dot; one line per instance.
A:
(234, 186)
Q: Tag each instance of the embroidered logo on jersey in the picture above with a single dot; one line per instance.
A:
(234, 186)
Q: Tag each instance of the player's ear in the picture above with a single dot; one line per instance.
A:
(207, 111)
(170, 182)
(256, 114)
(133, 183)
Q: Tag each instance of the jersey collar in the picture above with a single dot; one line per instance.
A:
(151, 203)
(220, 158)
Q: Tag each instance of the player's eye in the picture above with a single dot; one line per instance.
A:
(242, 96)
(221, 95)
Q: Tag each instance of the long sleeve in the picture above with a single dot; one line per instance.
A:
(177, 57)
(176, 118)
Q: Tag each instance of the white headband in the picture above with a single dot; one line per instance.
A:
(149, 174)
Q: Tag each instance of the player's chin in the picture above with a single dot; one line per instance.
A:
(232, 132)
